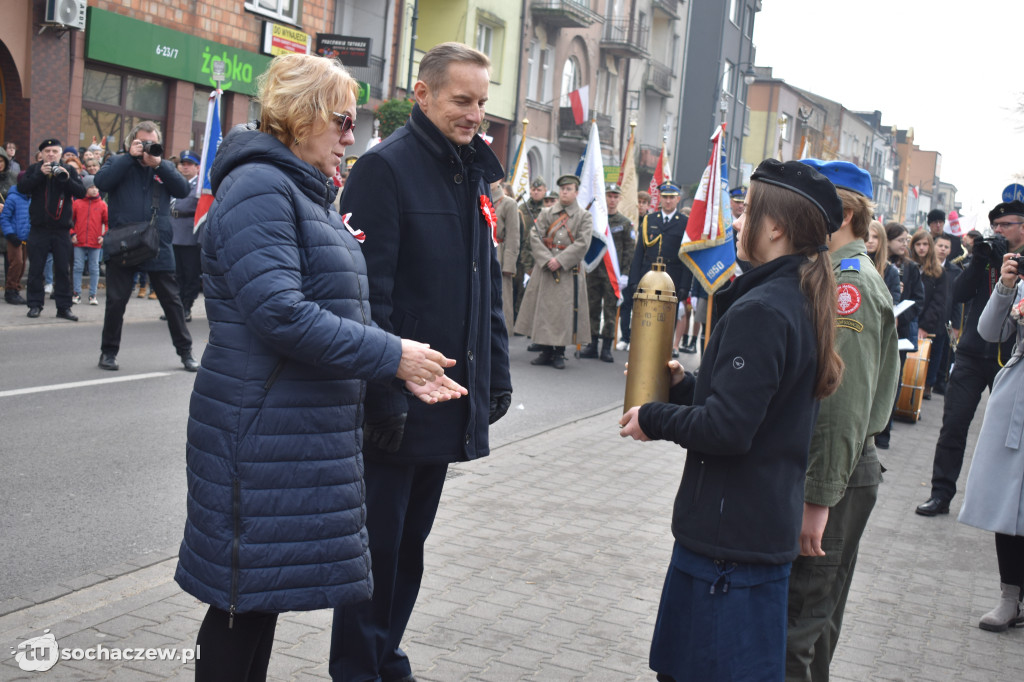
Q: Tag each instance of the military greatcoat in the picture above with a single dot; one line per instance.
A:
(508, 232)
(547, 314)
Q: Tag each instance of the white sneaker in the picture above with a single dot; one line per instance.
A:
(48, 289)
(76, 299)
(93, 301)
(621, 345)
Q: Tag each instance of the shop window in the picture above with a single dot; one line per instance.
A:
(112, 103)
(288, 11)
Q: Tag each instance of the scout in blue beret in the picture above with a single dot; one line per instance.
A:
(844, 175)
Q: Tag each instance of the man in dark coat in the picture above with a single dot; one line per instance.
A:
(977, 361)
(187, 266)
(51, 186)
(132, 181)
(434, 278)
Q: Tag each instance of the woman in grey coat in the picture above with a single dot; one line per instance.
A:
(994, 499)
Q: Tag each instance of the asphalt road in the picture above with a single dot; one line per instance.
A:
(94, 475)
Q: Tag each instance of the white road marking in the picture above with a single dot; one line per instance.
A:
(81, 384)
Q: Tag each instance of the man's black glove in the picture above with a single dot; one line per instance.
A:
(499, 405)
(13, 239)
(982, 251)
(386, 434)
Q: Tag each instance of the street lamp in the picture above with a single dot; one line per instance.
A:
(749, 76)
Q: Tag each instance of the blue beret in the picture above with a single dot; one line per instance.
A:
(668, 189)
(844, 174)
(808, 183)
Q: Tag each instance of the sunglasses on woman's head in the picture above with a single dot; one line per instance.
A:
(345, 122)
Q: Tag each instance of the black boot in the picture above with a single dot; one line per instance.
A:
(558, 357)
(606, 350)
(534, 347)
(544, 358)
(590, 350)
(689, 344)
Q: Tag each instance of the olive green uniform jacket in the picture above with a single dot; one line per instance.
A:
(866, 341)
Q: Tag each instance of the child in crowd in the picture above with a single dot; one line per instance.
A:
(90, 224)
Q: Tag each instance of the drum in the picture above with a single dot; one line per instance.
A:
(908, 404)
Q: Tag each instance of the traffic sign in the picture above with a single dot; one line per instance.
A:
(1014, 192)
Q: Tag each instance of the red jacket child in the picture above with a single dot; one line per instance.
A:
(90, 220)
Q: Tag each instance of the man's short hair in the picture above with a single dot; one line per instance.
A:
(434, 65)
(863, 211)
(143, 126)
(944, 235)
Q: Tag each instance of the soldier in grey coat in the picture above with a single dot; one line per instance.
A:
(557, 294)
(994, 499)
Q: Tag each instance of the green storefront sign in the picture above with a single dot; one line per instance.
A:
(120, 40)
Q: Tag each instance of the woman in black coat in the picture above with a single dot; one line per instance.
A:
(746, 422)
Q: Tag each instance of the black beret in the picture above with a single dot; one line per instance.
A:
(50, 142)
(1008, 208)
(936, 215)
(810, 184)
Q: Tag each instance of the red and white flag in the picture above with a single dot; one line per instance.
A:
(579, 100)
(657, 180)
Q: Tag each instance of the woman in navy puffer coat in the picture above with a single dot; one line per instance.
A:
(275, 491)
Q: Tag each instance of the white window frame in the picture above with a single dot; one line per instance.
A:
(288, 11)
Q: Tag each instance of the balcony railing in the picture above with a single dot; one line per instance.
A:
(669, 7)
(568, 129)
(659, 78)
(625, 38)
(565, 13)
(373, 74)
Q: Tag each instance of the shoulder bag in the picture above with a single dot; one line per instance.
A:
(133, 243)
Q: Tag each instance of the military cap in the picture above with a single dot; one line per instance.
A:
(551, 195)
(936, 215)
(50, 142)
(538, 182)
(568, 178)
(845, 175)
(668, 189)
(1006, 208)
(804, 180)
(350, 161)
(189, 155)
(613, 188)
(738, 193)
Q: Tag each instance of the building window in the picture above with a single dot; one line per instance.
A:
(544, 76)
(112, 103)
(731, 9)
(570, 80)
(785, 129)
(490, 38)
(288, 11)
(727, 73)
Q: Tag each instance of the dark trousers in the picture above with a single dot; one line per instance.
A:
(41, 242)
(15, 258)
(119, 290)
(970, 376)
(626, 312)
(239, 653)
(938, 363)
(189, 269)
(601, 299)
(401, 501)
(819, 586)
(1010, 554)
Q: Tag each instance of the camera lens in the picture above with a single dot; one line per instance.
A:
(154, 149)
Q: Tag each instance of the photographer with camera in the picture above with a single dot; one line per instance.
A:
(138, 182)
(977, 360)
(52, 187)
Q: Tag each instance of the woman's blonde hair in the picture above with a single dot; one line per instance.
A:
(298, 92)
(881, 254)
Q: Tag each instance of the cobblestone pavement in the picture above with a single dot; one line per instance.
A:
(546, 563)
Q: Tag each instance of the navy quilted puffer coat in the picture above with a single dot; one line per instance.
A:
(275, 487)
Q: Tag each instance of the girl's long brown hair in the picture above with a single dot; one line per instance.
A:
(881, 254)
(930, 261)
(803, 223)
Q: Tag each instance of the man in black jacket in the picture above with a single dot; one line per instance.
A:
(422, 199)
(52, 187)
(977, 361)
(132, 180)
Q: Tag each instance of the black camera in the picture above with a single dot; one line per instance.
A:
(152, 148)
(990, 250)
(1019, 260)
(58, 170)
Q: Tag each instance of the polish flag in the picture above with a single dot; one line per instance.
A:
(579, 100)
